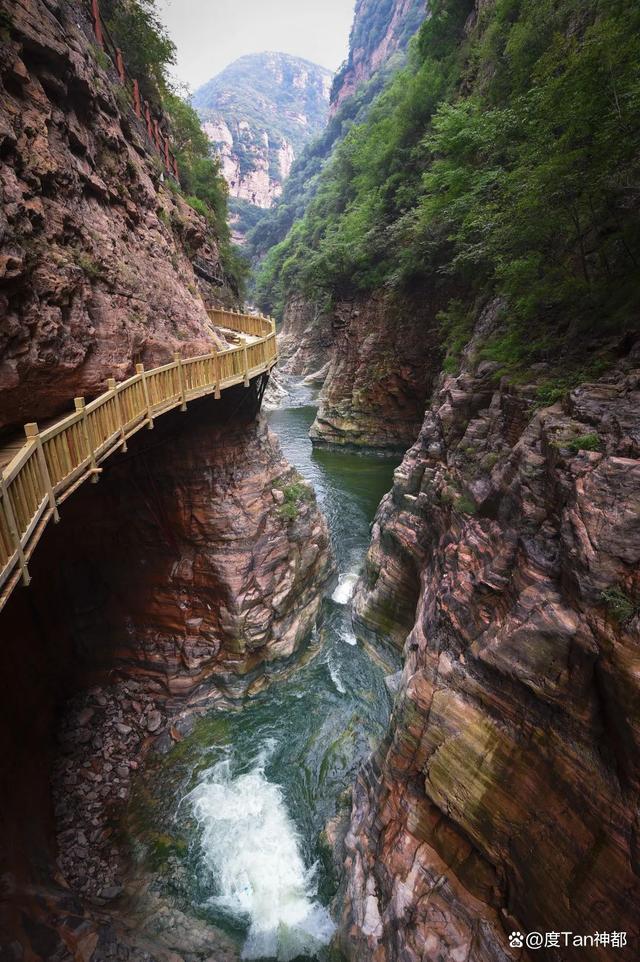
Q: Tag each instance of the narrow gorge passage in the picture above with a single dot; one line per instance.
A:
(235, 825)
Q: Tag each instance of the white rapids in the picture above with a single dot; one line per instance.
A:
(252, 850)
(345, 588)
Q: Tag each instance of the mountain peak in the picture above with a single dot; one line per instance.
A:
(259, 112)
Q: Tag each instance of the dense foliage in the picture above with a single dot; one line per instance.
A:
(149, 54)
(505, 159)
(303, 180)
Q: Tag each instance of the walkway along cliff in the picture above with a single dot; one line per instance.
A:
(176, 583)
(51, 465)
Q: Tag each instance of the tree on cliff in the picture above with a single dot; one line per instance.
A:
(149, 54)
(503, 160)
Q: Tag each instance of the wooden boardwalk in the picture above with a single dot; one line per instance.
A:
(39, 474)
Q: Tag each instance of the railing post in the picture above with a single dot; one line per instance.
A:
(140, 370)
(97, 26)
(111, 384)
(81, 409)
(120, 66)
(183, 393)
(137, 103)
(148, 120)
(33, 434)
(216, 367)
(246, 365)
(13, 528)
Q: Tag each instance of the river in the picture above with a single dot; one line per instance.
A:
(232, 821)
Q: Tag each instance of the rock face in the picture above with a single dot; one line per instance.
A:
(96, 254)
(506, 796)
(218, 579)
(305, 338)
(259, 112)
(182, 580)
(379, 30)
(382, 361)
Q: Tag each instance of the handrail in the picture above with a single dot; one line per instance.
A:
(54, 462)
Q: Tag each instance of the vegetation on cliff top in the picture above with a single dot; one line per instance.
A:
(149, 54)
(274, 93)
(372, 22)
(505, 161)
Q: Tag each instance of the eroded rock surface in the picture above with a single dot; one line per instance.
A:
(182, 581)
(377, 33)
(97, 255)
(382, 360)
(507, 555)
(305, 338)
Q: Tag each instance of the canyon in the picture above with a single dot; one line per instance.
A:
(354, 677)
(503, 563)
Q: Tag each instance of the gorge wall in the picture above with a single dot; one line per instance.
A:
(102, 263)
(176, 584)
(505, 798)
(380, 29)
(377, 360)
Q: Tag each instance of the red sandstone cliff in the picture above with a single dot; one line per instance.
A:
(176, 584)
(379, 30)
(508, 557)
(382, 359)
(96, 252)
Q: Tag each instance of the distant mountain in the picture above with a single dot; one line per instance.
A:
(378, 42)
(259, 112)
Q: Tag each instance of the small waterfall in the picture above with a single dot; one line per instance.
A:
(345, 588)
(252, 850)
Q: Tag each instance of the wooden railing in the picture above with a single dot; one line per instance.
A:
(244, 323)
(55, 461)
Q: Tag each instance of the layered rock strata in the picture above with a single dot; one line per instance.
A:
(305, 339)
(378, 32)
(382, 361)
(506, 797)
(181, 581)
(101, 264)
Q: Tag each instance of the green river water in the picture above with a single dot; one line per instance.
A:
(231, 822)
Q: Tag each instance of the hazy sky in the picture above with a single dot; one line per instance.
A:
(209, 34)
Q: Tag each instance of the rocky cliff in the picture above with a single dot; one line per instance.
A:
(380, 29)
(195, 569)
(102, 263)
(506, 562)
(382, 360)
(177, 584)
(259, 112)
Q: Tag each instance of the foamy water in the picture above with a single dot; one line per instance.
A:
(251, 848)
(336, 678)
(345, 588)
(347, 636)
